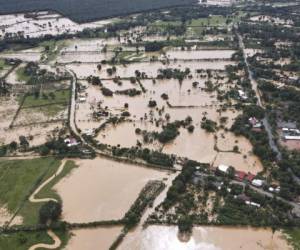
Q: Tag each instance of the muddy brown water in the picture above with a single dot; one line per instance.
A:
(205, 238)
(101, 189)
(91, 239)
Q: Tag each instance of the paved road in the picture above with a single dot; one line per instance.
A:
(259, 101)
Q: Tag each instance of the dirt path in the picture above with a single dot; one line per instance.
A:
(55, 245)
(57, 241)
(32, 196)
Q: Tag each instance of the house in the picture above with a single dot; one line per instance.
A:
(71, 142)
(274, 189)
(223, 168)
(257, 182)
(291, 133)
(240, 175)
(252, 203)
(82, 99)
(242, 94)
(249, 177)
(89, 132)
(292, 137)
(255, 123)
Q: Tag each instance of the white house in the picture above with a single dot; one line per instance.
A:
(242, 94)
(223, 168)
(257, 182)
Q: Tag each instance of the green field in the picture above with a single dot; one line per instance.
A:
(30, 210)
(23, 240)
(54, 103)
(19, 177)
(51, 49)
(166, 23)
(210, 21)
(3, 65)
(294, 237)
(60, 96)
(21, 76)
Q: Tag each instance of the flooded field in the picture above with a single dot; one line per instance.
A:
(244, 160)
(124, 134)
(198, 146)
(150, 68)
(22, 55)
(35, 134)
(101, 189)
(43, 23)
(91, 239)
(205, 238)
(200, 54)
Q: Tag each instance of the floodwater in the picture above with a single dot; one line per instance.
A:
(102, 189)
(243, 161)
(205, 238)
(24, 56)
(150, 68)
(91, 239)
(124, 134)
(35, 134)
(200, 54)
(43, 24)
(198, 145)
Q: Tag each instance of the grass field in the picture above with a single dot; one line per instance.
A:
(166, 23)
(23, 240)
(19, 177)
(294, 237)
(2, 64)
(51, 49)
(60, 96)
(30, 210)
(53, 105)
(21, 76)
(210, 21)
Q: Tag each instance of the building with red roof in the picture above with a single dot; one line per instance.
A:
(240, 175)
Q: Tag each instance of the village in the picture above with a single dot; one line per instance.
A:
(131, 129)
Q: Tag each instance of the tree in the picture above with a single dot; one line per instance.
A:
(50, 211)
(185, 224)
(23, 141)
(13, 146)
(191, 128)
(152, 104)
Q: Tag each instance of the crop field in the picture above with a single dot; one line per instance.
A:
(80, 12)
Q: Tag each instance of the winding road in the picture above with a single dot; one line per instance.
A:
(56, 244)
(57, 241)
(36, 200)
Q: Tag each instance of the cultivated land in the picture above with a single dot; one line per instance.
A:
(173, 129)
